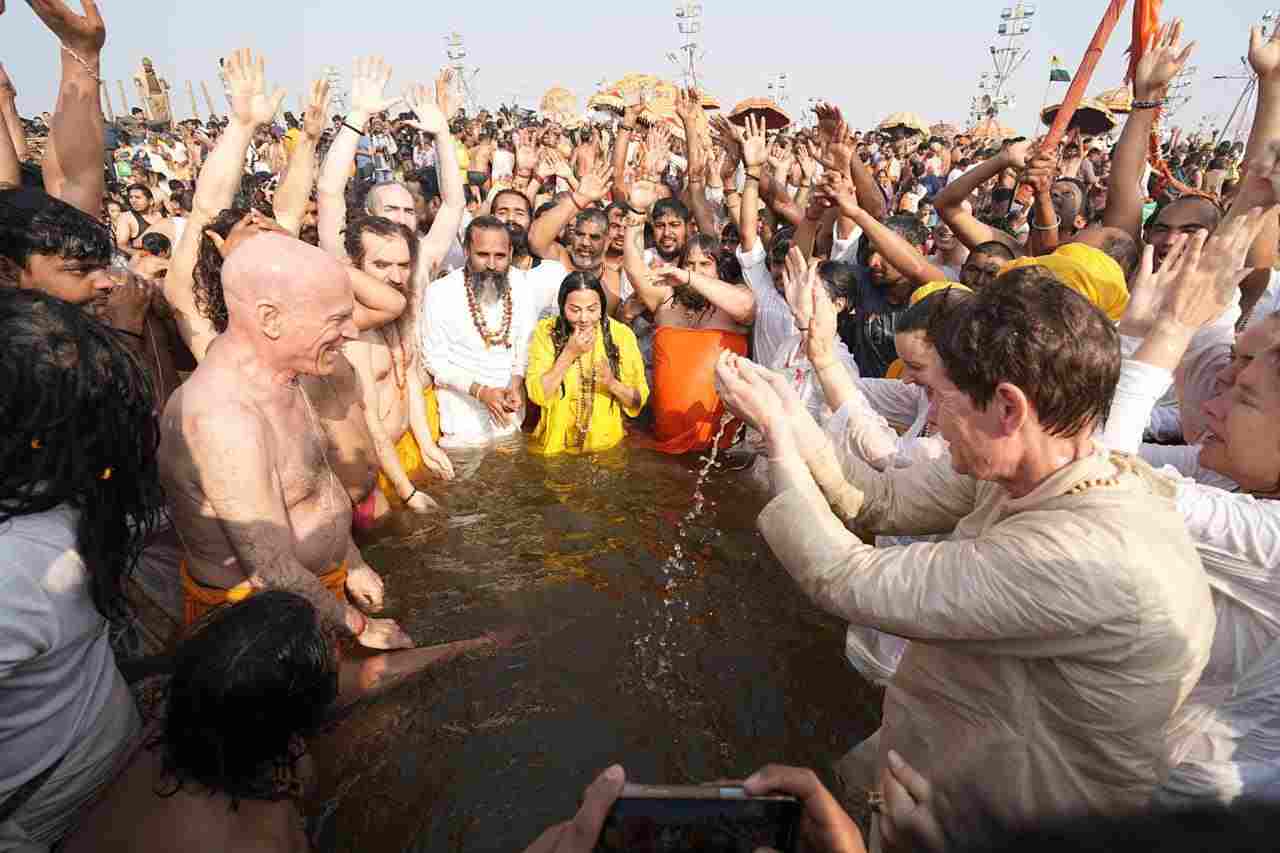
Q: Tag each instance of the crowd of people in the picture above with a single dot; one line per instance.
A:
(1008, 403)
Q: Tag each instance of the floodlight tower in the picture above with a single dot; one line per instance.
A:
(455, 49)
(690, 53)
(337, 90)
(1180, 89)
(780, 88)
(1015, 24)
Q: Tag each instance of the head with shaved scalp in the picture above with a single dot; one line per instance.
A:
(292, 301)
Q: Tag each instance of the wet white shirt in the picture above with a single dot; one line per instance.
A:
(774, 326)
(1226, 737)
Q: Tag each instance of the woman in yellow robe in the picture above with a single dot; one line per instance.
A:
(585, 370)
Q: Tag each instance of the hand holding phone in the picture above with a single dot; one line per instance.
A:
(676, 819)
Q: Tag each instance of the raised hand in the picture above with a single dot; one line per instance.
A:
(424, 105)
(729, 136)
(820, 343)
(780, 160)
(644, 193)
(444, 94)
(85, 34)
(658, 149)
(595, 185)
(316, 118)
(246, 89)
(1264, 53)
(1040, 173)
(1201, 277)
(795, 284)
(754, 146)
(837, 187)
(1015, 154)
(369, 82)
(829, 120)
(1165, 58)
(526, 152)
(807, 157)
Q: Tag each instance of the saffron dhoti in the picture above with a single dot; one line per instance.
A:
(198, 600)
(686, 408)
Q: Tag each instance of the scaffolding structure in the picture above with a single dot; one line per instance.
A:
(1007, 56)
(464, 76)
(690, 53)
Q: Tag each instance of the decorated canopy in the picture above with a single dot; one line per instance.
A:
(559, 104)
(775, 118)
(989, 128)
(1092, 117)
(904, 124)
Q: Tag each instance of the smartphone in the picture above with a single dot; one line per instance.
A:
(707, 819)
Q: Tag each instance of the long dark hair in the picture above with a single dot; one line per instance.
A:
(687, 297)
(561, 331)
(247, 687)
(207, 275)
(78, 428)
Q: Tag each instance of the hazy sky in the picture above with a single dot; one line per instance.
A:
(870, 58)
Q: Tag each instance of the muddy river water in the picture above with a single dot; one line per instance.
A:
(681, 650)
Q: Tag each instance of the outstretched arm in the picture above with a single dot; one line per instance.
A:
(735, 300)
(368, 85)
(219, 180)
(896, 251)
(950, 202)
(1159, 65)
(1264, 56)
(73, 161)
(10, 168)
(649, 291)
(14, 142)
(295, 189)
(754, 153)
(692, 116)
(434, 119)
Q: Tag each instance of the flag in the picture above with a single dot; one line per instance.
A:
(1058, 72)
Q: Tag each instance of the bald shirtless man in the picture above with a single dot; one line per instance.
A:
(245, 463)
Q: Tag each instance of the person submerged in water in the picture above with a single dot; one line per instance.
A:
(697, 315)
(585, 371)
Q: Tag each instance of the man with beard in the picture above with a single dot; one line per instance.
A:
(386, 362)
(474, 332)
(589, 239)
(696, 316)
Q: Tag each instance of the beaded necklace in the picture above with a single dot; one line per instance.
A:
(500, 338)
(586, 400)
(401, 376)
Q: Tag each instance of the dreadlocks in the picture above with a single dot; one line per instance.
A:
(78, 429)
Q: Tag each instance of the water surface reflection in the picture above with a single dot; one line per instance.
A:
(686, 669)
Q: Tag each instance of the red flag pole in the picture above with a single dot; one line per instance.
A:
(1079, 84)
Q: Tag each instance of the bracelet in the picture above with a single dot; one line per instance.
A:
(1047, 227)
(473, 392)
(87, 67)
(411, 494)
(1147, 105)
(350, 126)
(751, 177)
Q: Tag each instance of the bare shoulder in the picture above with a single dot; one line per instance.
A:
(209, 409)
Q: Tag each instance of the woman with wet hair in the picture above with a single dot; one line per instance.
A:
(79, 494)
(585, 371)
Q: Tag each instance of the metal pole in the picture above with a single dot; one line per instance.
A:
(1079, 84)
(106, 98)
(1248, 90)
(195, 108)
(208, 99)
(124, 100)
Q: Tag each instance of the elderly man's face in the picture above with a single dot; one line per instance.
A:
(1241, 441)
(979, 446)
(396, 203)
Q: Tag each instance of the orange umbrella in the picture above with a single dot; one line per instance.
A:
(774, 116)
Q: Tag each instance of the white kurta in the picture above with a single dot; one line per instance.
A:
(1225, 740)
(456, 356)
